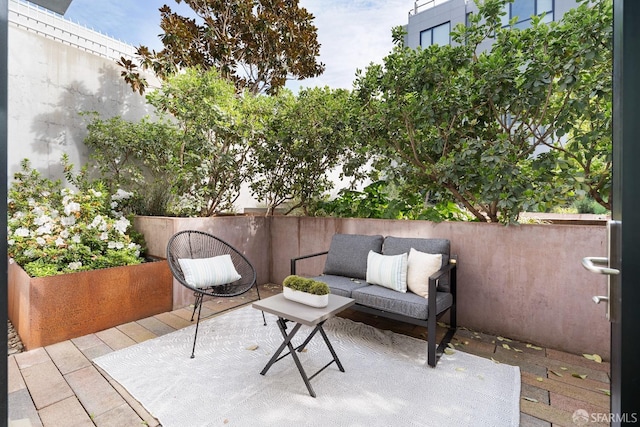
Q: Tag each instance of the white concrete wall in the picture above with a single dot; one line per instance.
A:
(50, 82)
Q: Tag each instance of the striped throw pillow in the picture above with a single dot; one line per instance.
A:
(206, 272)
(389, 271)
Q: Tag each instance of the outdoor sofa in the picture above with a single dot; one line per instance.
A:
(353, 260)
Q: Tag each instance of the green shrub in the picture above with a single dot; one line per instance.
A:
(303, 284)
(54, 230)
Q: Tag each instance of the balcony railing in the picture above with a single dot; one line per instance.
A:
(421, 7)
(52, 26)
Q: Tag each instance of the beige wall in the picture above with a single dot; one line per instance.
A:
(524, 282)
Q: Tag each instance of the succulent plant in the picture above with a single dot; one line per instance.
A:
(304, 284)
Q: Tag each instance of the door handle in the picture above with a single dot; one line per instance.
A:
(598, 299)
(599, 265)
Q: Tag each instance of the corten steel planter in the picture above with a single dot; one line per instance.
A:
(47, 310)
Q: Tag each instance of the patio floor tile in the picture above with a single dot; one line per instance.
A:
(548, 413)
(67, 357)
(148, 419)
(136, 332)
(526, 364)
(21, 409)
(593, 397)
(97, 351)
(94, 391)
(86, 341)
(185, 313)
(67, 412)
(586, 383)
(569, 404)
(14, 377)
(577, 360)
(154, 325)
(115, 339)
(527, 420)
(509, 356)
(528, 392)
(32, 357)
(120, 416)
(46, 384)
(173, 320)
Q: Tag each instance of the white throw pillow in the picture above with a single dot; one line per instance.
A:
(389, 271)
(420, 266)
(205, 272)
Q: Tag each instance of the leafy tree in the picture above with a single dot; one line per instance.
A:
(308, 137)
(448, 117)
(210, 162)
(377, 200)
(134, 157)
(257, 44)
(583, 124)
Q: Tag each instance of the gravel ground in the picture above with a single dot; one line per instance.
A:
(14, 344)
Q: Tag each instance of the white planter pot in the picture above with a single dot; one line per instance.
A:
(305, 298)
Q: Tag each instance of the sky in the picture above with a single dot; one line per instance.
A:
(352, 33)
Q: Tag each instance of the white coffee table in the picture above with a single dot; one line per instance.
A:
(290, 311)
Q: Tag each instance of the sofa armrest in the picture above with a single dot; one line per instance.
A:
(444, 271)
(450, 270)
(295, 260)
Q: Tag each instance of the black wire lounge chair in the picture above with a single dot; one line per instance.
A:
(209, 266)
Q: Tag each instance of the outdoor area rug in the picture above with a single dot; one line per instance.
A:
(386, 380)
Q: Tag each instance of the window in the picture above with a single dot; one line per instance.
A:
(525, 9)
(436, 35)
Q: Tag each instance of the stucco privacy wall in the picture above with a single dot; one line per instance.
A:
(49, 84)
(524, 282)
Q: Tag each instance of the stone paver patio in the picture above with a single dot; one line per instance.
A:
(58, 385)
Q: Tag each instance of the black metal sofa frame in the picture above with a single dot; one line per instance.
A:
(442, 284)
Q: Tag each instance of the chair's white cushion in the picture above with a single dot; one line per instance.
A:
(420, 266)
(389, 271)
(205, 272)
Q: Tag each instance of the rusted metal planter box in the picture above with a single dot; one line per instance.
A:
(47, 310)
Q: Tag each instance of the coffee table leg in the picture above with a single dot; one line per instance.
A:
(333, 353)
(287, 343)
(311, 335)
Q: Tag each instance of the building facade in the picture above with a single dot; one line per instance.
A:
(431, 21)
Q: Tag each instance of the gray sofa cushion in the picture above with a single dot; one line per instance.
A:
(341, 285)
(400, 245)
(348, 254)
(407, 304)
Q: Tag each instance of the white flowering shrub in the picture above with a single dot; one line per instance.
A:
(54, 230)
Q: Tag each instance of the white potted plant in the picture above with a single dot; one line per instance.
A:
(306, 291)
